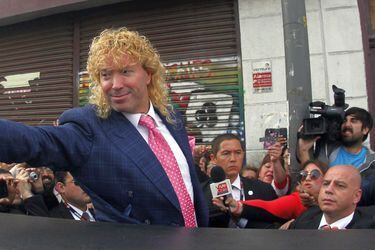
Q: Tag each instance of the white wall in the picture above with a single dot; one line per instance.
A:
(336, 57)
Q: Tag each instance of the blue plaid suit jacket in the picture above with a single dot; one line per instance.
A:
(110, 160)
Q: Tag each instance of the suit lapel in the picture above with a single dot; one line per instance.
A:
(128, 140)
(64, 211)
(355, 218)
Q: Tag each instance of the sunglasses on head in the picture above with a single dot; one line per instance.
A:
(314, 174)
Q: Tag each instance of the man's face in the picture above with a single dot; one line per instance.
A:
(340, 192)
(126, 88)
(73, 193)
(48, 178)
(230, 158)
(352, 130)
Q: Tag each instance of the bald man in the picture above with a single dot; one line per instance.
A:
(338, 199)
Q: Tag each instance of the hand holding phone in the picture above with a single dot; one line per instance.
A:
(273, 135)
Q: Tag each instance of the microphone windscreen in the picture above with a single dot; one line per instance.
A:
(217, 174)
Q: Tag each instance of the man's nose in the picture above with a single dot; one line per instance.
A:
(329, 188)
(346, 123)
(232, 156)
(117, 81)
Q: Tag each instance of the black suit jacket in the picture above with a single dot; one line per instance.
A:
(61, 211)
(253, 189)
(364, 217)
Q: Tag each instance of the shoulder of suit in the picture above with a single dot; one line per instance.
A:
(88, 109)
(312, 212)
(255, 183)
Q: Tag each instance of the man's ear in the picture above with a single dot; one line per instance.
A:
(365, 131)
(60, 187)
(357, 196)
(149, 77)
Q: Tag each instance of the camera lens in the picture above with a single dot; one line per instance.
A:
(33, 176)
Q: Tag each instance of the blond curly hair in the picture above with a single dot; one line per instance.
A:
(114, 44)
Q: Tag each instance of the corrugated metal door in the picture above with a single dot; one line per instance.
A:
(198, 42)
(36, 70)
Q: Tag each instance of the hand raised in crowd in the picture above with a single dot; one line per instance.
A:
(26, 186)
(275, 151)
(307, 199)
(231, 205)
(304, 146)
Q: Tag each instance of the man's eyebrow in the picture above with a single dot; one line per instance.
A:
(341, 182)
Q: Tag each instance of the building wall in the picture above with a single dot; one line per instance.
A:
(336, 57)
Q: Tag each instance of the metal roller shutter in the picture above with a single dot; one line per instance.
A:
(198, 43)
(36, 70)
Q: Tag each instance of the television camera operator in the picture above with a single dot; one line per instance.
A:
(344, 147)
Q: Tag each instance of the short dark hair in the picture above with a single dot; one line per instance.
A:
(364, 116)
(60, 176)
(225, 137)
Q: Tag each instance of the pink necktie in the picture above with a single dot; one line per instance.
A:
(166, 157)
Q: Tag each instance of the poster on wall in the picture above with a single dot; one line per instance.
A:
(262, 77)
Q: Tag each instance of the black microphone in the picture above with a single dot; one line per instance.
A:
(220, 185)
(217, 174)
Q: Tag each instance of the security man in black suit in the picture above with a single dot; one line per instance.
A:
(338, 199)
(229, 154)
(74, 201)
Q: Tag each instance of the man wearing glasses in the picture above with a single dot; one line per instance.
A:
(74, 201)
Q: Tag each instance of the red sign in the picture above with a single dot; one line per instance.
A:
(262, 77)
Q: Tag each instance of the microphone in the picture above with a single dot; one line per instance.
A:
(220, 185)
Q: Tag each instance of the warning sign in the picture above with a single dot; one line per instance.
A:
(262, 77)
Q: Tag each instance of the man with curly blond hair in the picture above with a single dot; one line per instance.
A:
(128, 149)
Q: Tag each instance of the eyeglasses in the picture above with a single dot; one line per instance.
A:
(314, 174)
(73, 181)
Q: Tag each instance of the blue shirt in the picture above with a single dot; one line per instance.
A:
(346, 158)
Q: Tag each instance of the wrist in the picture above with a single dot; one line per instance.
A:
(26, 195)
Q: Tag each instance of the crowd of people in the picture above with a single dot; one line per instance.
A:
(127, 158)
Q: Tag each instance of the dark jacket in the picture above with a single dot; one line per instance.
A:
(111, 161)
(364, 217)
(253, 189)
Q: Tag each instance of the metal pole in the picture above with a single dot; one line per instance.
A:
(297, 65)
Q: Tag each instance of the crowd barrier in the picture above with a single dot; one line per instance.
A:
(27, 232)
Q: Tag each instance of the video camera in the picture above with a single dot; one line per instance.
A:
(328, 123)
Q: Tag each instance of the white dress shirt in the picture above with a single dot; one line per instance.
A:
(77, 213)
(340, 224)
(178, 154)
(238, 194)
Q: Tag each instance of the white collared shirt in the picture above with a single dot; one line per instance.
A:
(340, 224)
(237, 189)
(178, 154)
(79, 212)
(237, 194)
